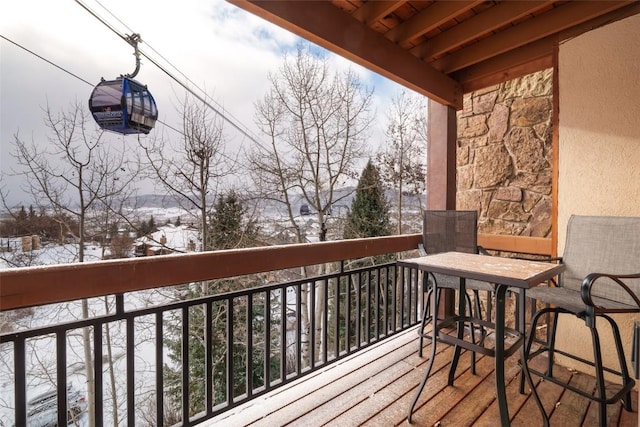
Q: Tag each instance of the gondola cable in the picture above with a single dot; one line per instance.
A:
(178, 131)
(46, 60)
(124, 105)
(163, 69)
(174, 67)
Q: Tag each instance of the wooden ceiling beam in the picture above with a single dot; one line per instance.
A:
(429, 19)
(553, 21)
(524, 60)
(373, 11)
(532, 57)
(475, 27)
(616, 15)
(317, 22)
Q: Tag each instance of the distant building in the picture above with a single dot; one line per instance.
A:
(167, 240)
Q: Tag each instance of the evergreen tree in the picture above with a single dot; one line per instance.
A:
(368, 217)
(228, 229)
(369, 214)
(151, 225)
(227, 225)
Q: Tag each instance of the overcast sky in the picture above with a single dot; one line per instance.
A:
(222, 49)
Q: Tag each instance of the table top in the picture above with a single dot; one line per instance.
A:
(503, 271)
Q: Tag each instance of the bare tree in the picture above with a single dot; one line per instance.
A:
(192, 170)
(402, 163)
(71, 175)
(314, 125)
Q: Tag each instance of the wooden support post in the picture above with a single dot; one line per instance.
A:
(441, 171)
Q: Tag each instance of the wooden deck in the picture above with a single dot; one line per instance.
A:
(376, 386)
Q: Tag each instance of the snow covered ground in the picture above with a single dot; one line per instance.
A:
(40, 357)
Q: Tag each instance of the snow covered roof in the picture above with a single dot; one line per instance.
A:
(173, 237)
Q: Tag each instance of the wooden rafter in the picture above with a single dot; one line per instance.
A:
(558, 19)
(442, 48)
(475, 27)
(358, 43)
(374, 11)
(428, 19)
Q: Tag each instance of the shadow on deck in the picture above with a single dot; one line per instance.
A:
(375, 387)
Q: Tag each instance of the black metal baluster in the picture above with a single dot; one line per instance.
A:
(97, 374)
(336, 320)
(131, 401)
(298, 331)
(61, 375)
(249, 348)
(20, 396)
(283, 334)
(159, 369)
(208, 357)
(230, 376)
(185, 364)
(267, 340)
(312, 325)
(325, 328)
(376, 328)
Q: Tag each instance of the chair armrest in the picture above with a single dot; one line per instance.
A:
(546, 259)
(590, 281)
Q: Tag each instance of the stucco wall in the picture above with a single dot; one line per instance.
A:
(599, 141)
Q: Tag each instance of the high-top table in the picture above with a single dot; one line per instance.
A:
(503, 273)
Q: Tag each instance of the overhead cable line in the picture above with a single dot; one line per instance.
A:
(72, 74)
(46, 60)
(187, 88)
(173, 66)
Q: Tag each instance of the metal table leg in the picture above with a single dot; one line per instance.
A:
(460, 330)
(501, 394)
(434, 340)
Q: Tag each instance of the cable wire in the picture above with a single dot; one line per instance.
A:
(78, 77)
(172, 65)
(154, 62)
(46, 60)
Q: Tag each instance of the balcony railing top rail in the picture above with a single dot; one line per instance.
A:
(356, 307)
(33, 286)
(211, 351)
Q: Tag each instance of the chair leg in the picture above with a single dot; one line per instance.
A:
(489, 306)
(599, 372)
(600, 394)
(426, 318)
(528, 342)
(552, 342)
(463, 298)
(478, 308)
(624, 372)
(472, 330)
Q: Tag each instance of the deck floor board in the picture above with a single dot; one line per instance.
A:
(376, 386)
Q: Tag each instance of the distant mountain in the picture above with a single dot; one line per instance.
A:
(162, 201)
(342, 197)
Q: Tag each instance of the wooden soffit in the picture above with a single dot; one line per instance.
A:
(442, 49)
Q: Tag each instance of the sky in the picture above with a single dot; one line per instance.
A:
(222, 49)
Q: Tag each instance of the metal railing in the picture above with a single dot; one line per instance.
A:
(213, 352)
(227, 348)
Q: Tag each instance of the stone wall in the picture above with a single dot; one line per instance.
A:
(504, 156)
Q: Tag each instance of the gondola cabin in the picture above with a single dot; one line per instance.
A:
(124, 106)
